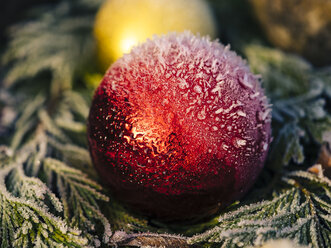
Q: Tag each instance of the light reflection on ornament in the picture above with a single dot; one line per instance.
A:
(127, 43)
(150, 131)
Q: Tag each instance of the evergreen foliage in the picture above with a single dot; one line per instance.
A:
(298, 210)
(48, 191)
(46, 201)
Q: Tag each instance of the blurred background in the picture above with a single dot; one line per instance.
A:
(302, 26)
(14, 11)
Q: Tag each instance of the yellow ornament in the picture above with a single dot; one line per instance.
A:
(122, 24)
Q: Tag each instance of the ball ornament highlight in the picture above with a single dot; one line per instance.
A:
(179, 128)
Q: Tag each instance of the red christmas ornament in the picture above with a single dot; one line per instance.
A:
(179, 127)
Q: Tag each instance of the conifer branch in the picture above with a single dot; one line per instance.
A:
(299, 210)
(26, 219)
(48, 138)
(300, 97)
(121, 238)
